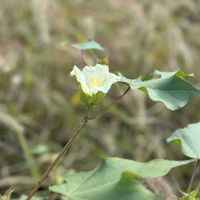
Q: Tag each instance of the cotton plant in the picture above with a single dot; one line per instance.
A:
(95, 82)
(118, 178)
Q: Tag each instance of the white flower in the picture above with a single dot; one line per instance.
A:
(94, 79)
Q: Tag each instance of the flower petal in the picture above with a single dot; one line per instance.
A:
(112, 79)
(96, 76)
(81, 79)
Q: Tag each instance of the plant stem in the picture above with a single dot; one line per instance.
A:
(65, 149)
(111, 104)
(196, 166)
(68, 145)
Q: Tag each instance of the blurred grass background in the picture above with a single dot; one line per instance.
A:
(40, 104)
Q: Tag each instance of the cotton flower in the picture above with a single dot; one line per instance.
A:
(94, 79)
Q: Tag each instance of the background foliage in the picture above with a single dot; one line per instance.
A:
(42, 103)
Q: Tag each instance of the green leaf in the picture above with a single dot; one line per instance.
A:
(89, 44)
(126, 188)
(167, 87)
(189, 138)
(114, 179)
(191, 196)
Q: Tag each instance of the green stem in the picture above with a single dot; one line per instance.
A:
(111, 104)
(68, 145)
(65, 150)
(196, 166)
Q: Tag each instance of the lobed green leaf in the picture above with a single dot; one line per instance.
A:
(115, 179)
(167, 87)
(189, 138)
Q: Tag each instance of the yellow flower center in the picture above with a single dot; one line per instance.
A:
(95, 82)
